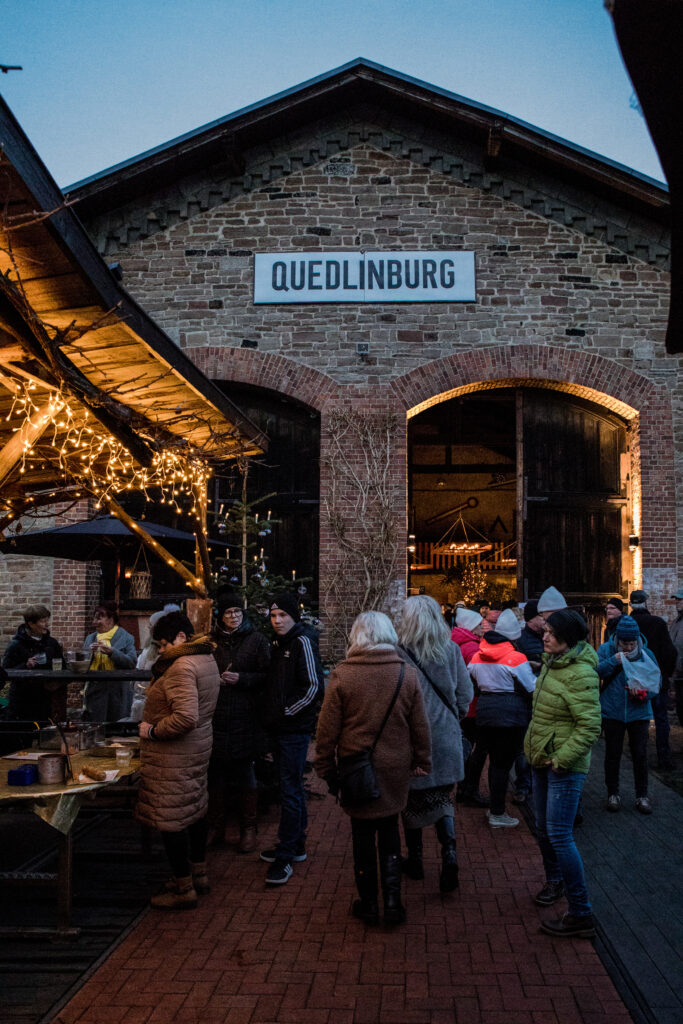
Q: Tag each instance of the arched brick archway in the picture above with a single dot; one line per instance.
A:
(266, 370)
(630, 394)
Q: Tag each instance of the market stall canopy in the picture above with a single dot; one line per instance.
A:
(104, 538)
(92, 391)
(650, 37)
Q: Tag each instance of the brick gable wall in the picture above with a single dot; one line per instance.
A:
(555, 305)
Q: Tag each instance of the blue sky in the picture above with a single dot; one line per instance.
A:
(103, 81)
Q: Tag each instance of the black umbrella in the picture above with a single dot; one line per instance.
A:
(103, 539)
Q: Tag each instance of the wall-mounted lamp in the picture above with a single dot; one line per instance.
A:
(633, 541)
(411, 543)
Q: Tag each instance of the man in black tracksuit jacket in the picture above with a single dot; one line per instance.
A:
(291, 702)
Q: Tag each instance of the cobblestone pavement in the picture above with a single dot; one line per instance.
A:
(294, 955)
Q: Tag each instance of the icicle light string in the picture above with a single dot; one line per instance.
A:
(80, 449)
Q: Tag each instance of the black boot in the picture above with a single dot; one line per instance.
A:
(366, 908)
(394, 911)
(412, 864)
(445, 832)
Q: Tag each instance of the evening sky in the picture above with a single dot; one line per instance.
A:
(105, 81)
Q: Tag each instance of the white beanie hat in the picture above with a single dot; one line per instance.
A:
(508, 624)
(551, 600)
(465, 618)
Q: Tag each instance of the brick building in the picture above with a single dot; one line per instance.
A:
(539, 417)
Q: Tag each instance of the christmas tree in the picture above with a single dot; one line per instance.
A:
(247, 528)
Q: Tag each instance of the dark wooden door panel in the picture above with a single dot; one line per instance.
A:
(578, 550)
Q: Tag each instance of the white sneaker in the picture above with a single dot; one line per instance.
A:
(502, 820)
(613, 803)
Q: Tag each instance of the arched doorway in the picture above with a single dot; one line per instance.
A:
(514, 488)
(287, 478)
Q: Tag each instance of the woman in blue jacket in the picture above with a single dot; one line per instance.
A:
(626, 708)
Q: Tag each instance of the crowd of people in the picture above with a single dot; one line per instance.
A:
(422, 702)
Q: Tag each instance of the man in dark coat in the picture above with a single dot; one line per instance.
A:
(676, 634)
(32, 647)
(531, 640)
(242, 655)
(656, 632)
(291, 704)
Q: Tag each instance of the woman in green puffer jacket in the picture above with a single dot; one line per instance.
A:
(565, 723)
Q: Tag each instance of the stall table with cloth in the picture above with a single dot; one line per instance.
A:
(58, 805)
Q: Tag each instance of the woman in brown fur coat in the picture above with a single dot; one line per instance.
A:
(176, 737)
(358, 695)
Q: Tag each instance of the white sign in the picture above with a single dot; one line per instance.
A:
(403, 276)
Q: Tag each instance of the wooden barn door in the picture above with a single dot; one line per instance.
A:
(571, 496)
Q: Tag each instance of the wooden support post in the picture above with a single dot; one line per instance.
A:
(194, 582)
(32, 429)
(202, 560)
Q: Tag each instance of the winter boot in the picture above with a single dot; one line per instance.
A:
(366, 908)
(394, 911)
(182, 897)
(412, 864)
(200, 878)
(445, 833)
(248, 816)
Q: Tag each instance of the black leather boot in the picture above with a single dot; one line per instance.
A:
(412, 864)
(394, 911)
(366, 908)
(445, 832)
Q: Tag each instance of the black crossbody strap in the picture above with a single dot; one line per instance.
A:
(399, 684)
(436, 689)
(441, 695)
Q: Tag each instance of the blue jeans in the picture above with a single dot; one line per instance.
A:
(556, 798)
(290, 756)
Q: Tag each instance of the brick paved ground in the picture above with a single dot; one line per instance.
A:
(294, 955)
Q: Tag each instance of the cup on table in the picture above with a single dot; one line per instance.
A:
(56, 664)
(124, 756)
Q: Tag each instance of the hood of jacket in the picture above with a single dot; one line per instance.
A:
(581, 653)
(25, 636)
(461, 636)
(382, 655)
(197, 645)
(499, 653)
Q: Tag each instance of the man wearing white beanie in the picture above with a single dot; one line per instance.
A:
(550, 601)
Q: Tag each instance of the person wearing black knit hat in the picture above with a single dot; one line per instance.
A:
(614, 609)
(291, 703)
(242, 655)
(565, 723)
(626, 707)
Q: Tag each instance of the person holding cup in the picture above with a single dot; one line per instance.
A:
(109, 647)
(32, 647)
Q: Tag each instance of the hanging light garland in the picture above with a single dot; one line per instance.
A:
(75, 442)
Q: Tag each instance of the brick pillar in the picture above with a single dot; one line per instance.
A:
(363, 511)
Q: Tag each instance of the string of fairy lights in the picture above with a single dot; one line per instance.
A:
(73, 441)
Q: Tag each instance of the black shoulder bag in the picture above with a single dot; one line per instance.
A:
(356, 772)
